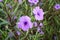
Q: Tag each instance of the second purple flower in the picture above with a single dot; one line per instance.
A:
(38, 13)
(33, 1)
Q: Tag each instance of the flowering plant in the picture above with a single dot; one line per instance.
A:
(29, 20)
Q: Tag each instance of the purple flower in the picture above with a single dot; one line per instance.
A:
(39, 30)
(1, 0)
(33, 1)
(18, 32)
(38, 13)
(35, 24)
(57, 6)
(24, 23)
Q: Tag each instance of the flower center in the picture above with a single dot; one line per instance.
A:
(57, 6)
(34, 0)
(25, 23)
(38, 14)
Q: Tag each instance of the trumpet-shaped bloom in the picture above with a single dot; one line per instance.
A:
(33, 1)
(57, 6)
(38, 13)
(24, 23)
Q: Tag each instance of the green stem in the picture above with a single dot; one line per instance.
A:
(25, 35)
(6, 1)
(2, 32)
(4, 21)
(35, 36)
(16, 9)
